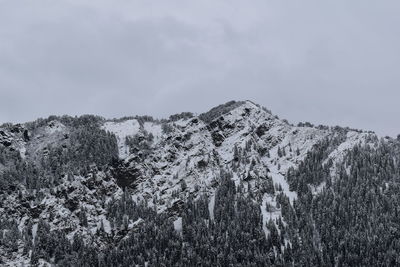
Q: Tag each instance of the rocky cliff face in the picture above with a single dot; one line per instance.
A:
(160, 163)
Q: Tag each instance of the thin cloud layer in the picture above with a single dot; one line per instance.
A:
(332, 62)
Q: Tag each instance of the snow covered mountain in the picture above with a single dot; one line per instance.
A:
(77, 177)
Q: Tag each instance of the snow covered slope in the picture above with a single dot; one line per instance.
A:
(121, 131)
(194, 152)
(163, 163)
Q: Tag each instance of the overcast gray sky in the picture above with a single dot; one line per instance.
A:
(331, 62)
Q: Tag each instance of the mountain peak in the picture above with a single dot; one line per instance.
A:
(96, 169)
(241, 107)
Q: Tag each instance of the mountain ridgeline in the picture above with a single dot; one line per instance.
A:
(235, 186)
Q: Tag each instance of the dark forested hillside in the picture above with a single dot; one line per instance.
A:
(235, 186)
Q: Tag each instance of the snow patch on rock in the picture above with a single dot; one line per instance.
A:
(122, 130)
(155, 129)
(178, 224)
